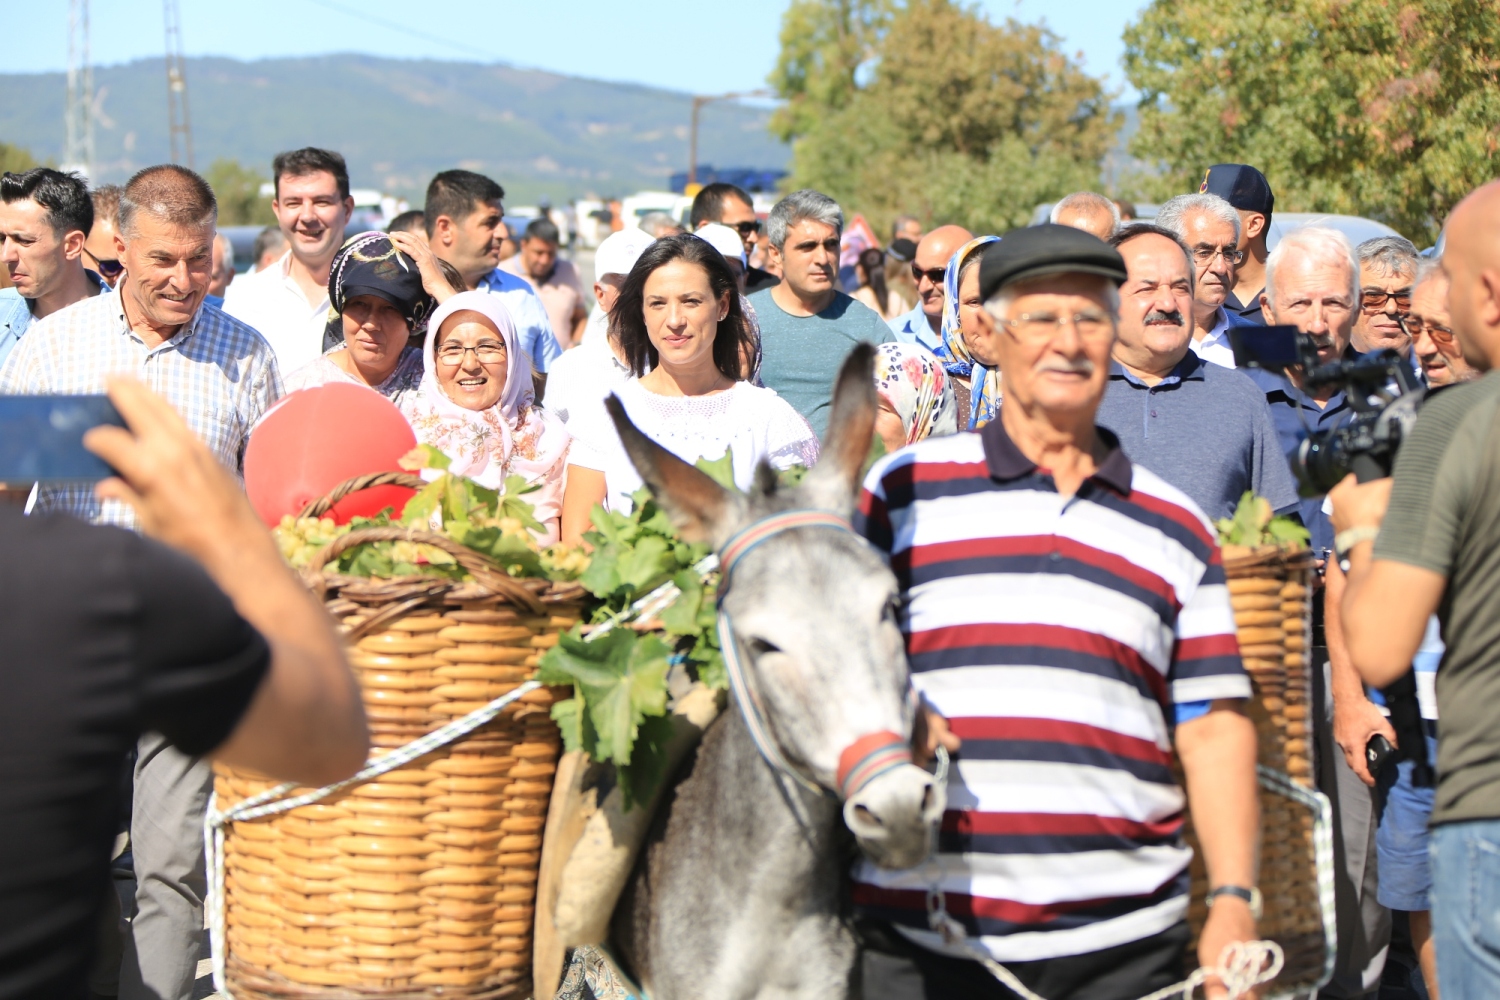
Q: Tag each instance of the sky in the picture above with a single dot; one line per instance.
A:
(708, 47)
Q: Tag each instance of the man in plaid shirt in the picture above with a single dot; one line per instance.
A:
(221, 376)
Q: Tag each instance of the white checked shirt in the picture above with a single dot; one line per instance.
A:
(273, 304)
(219, 374)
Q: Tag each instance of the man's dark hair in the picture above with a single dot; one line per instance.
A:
(407, 222)
(629, 315)
(64, 196)
(454, 193)
(310, 160)
(708, 205)
(170, 193)
(1135, 230)
(544, 230)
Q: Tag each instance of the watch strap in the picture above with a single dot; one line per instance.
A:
(1252, 897)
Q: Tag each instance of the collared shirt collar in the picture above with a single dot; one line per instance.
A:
(1190, 367)
(1005, 461)
(184, 331)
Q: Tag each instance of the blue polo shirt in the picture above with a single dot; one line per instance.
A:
(16, 316)
(1205, 429)
(1295, 413)
(911, 328)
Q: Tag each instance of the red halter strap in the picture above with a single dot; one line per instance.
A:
(867, 758)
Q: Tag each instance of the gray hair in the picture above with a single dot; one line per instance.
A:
(798, 207)
(227, 248)
(171, 193)
(1427, 269)
(1388, 254)
(1170, 215)
(1086, 200)
(1319, 242)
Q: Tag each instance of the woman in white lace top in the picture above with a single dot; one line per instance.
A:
(680, 317)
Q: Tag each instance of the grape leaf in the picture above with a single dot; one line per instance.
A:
(424, 456)
(639, 778)
(681, 616)
(720, 470)
(622, 678)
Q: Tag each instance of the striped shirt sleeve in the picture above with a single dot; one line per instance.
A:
(1206, 656)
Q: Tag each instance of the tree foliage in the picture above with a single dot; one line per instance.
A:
(1384, 108)
(237, 188)
(14, 159)
(928, 108)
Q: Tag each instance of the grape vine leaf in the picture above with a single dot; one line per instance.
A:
(720, 470)
(622, 678)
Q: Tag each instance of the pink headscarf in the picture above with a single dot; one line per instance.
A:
(515, 437)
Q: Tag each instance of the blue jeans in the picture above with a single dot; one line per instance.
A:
(1466, 908)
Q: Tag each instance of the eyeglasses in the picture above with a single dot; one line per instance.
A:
(1043, 326)
(1415, 325)
(488, 354)
(1374, 299)
(107, 268)
(744, 228)
(934, 275)
(1231, 255)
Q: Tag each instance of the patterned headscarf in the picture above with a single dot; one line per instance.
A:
(984, 383)
(913, 382)
(370, 264)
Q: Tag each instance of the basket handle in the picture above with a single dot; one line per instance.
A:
(319, 507)
(485, 570)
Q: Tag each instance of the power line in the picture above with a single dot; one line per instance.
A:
(404, 29)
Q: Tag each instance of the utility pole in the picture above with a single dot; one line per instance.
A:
(698, 102)
(179, 124)
(78, 149)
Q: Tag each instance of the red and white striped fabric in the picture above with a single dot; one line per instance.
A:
(1057, 635)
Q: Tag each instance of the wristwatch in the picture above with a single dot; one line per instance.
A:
(1344, 542)
(1251, 896)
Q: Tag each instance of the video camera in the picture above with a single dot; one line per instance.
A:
(1381, 388)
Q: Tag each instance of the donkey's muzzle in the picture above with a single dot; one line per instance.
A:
(895, 816)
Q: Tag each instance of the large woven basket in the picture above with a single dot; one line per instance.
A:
(1270, 588)
(422, 881)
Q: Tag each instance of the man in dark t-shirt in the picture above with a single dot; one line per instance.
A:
(108, 635)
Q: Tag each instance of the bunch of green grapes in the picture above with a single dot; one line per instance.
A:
(564, 562)
(301, 537)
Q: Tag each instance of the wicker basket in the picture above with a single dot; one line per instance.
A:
(1270, 588)
(420, 882)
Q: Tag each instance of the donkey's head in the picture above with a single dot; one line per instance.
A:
(814, 623)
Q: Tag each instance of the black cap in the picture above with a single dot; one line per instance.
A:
(1242, 186)
(903, 250)
(1047, 249)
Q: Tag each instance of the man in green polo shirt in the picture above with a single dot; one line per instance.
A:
(807, 325)
(1428, 540)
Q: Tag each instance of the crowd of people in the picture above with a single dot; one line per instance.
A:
(1064, 417)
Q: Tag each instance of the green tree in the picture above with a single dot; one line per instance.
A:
(823, 45)
(949, 117)
(1389, 109)
(237, 188)
(14, 159)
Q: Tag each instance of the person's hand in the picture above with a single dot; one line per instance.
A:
(1356, 504)
(1229, 921)
(1355, 720)
(427, 266)
(180, 492)
(930, 732)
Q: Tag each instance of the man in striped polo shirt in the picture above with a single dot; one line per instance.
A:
(1067, 620)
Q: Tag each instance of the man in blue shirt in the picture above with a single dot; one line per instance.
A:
(1203, 428)
(45, 218)
(924, 324)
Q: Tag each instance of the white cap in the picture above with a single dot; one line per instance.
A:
(724, 240)
(619, 252)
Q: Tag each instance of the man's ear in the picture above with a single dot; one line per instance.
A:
(119, 246)
(702, 509)
(1255, 224)
(72, 244)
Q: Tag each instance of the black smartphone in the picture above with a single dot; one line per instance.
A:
(1273, 348)
(1377, 751)
(41, 438)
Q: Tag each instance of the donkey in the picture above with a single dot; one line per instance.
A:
(740, 893)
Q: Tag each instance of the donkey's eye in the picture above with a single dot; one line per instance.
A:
(760, 647)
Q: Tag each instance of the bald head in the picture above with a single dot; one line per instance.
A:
(1471, 260)
(933, 253)
(1093, 213)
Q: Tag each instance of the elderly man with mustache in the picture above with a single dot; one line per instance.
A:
(1066, 616)
(1203, 428)
(1210, 227)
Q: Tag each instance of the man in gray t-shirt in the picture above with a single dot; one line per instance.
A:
(807, 325)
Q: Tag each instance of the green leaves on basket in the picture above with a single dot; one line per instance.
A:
(1253, 524)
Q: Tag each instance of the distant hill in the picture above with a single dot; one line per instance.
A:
(398, 122)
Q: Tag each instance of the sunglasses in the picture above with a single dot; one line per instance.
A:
(1414, 325)
(934, 275)
(744, 228)
(107, 268)
(1374, 299)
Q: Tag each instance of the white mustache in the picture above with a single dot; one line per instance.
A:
(1078, 366)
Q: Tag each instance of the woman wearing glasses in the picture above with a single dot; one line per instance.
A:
(683, 332)
(476, 404)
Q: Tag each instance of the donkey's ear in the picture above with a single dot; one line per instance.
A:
(702, 509)
(834, 482)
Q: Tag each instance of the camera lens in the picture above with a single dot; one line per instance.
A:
(1321, 463)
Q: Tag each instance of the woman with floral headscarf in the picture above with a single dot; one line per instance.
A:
(381, 289)
(915, 396)
(976, 384)
(476, 404)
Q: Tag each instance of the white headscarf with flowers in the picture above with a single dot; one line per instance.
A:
(912, 380)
